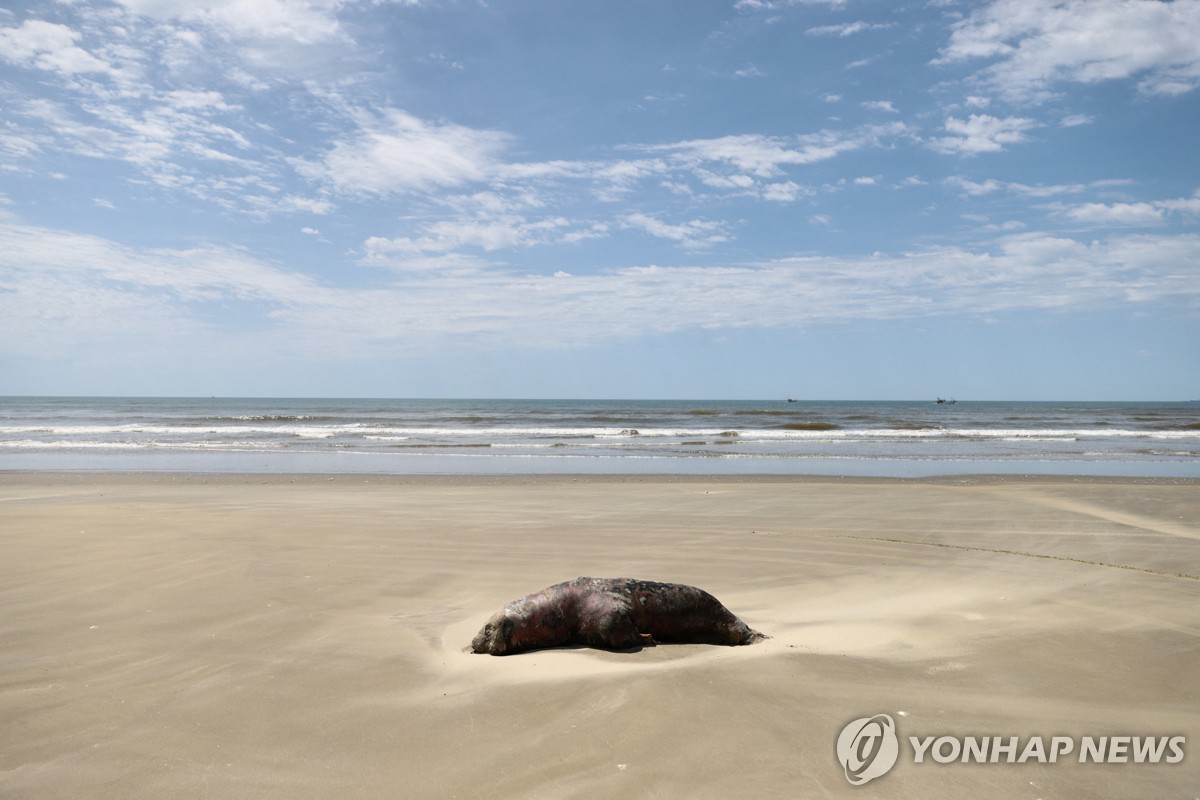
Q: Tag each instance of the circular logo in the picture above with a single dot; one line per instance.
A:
(867, 748)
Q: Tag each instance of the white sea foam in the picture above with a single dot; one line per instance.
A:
(72, 444)
(380, 433)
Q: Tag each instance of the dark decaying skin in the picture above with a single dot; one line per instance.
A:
(613, 613)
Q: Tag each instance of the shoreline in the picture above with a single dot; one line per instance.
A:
(351, 463)
(117, 477)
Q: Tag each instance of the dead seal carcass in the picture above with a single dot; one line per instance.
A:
(613, 613)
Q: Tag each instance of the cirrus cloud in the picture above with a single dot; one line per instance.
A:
(1035, 45)
(393, 151)
(49, 275)
(51, 47)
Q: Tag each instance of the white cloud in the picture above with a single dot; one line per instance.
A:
(493, 202)
(784, 192)
(296, 204)
(190, 141)
(974, 188)
(693, 234)
(752, 153)
(766, 156)
(68, 291)
(485, 233)
(848, 28)
(1115, 214)
(51, 47)
(775, 5)
(738, 184)
(544, 170)
(1007, 226)
(881, 105)
(1050, 190)
(735, 181)
(258, 44)
(394, 151)
(981, 133)
(401, 257)
(299, 21)
(1022, 273)
(17, 148)
(1036, 44)
(991, 185)
(1184, 205)
(144, 94)
(1137, 214)
(171, 113)
(618, 178)
(190, 273)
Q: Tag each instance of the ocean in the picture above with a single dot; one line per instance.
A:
(779, 437)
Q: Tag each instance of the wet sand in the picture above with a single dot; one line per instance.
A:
(291, 637)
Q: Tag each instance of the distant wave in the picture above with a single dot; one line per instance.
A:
(808, 426)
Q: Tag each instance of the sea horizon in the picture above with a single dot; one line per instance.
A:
(615, 399)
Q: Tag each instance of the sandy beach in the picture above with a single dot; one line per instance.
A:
(281, 636)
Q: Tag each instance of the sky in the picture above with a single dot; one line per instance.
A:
(743, 199)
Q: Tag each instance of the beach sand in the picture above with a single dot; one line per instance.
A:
(186, 636)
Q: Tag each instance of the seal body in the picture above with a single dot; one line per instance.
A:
(612, 613)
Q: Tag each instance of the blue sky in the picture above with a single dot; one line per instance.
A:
(738, 199)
